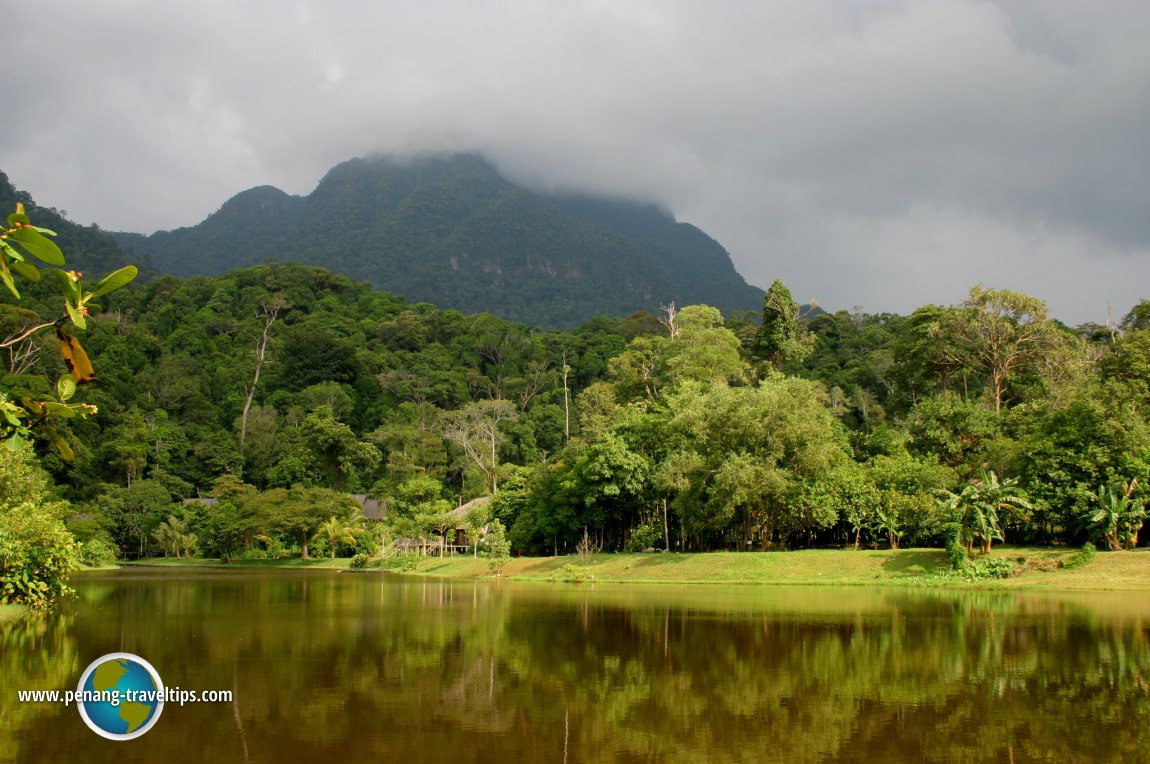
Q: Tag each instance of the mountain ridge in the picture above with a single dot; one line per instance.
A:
(451, 230)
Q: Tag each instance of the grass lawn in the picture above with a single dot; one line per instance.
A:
(338, 563)
(1035, 568)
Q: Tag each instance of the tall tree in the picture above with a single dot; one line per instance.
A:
(300, 511)
(475, 429)
(337, 450)
(739, 457)
(782, 338)
(270, 310)
(702, 349)
(999, 333)
(1138, 317)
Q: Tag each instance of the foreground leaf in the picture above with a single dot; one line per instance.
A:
(116, 280)
(38, 245)
(75, 357)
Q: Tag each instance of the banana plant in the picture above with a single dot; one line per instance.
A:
(1116, 515)
(974, 509)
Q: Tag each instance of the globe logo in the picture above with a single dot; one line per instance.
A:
(120, 696)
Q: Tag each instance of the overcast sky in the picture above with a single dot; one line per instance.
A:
(870, 153)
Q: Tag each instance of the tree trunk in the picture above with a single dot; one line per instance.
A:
(494, 463)
(270, 314)
(566, 402)
(666, 528)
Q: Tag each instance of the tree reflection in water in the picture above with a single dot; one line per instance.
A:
(352, 667)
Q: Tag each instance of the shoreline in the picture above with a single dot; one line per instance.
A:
(1035, 568)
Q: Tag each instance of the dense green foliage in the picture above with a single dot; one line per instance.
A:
(37, 553)
(451, 231)
(24, 248)
(280, 389)
(673, 432)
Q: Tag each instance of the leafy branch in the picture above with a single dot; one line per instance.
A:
(21, 244)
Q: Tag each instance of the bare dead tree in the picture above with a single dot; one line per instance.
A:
(533, 383)
(270, 310)
(22, 356)
(587, 546)
(669, 323)
(566, 401)
(475, 429)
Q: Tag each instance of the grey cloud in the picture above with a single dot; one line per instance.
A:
(870, 152)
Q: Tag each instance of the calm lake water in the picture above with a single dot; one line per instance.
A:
(336, 668)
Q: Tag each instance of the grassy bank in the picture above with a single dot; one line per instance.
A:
(1034, 568)
(338, 563)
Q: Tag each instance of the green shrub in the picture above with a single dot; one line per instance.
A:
(319, 547)
(359, 560)
(956, 553)
(273, 549)
(572, 573)
(496, 547)
(646, 536)
(37, 554)
(1081, 557)
(495, 543)
(983, 567)
(990, 567)
(97, 552)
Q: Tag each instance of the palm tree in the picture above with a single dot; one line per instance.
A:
(186, 541)
(339, 529)
(163, 537)
(172, 535)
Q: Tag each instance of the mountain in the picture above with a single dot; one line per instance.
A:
(452, 231)
(87, 249)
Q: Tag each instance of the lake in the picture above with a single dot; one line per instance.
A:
(341, 667)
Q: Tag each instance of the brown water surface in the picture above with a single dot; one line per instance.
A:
(333, 668)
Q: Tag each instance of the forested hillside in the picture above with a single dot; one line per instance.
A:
(90, 249)
(280, 388)
(452, 231)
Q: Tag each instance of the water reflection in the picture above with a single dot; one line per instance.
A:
(358, 667)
